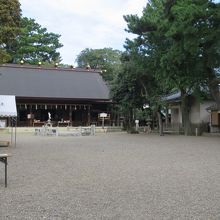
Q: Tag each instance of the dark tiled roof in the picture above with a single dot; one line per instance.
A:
(172, 96)
(23, 81)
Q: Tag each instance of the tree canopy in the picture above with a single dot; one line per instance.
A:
(10, 14)
(179, 41)
(179, 35)
(106, 59)
(35, 44)
(135, 84)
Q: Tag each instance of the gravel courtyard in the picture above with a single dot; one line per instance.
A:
(112, 176)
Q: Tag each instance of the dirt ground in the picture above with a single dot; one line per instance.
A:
(112, 176)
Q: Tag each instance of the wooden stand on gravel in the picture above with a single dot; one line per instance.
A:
(4, 143)
(4, 159)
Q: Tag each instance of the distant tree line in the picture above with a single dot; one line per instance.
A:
(107, 60)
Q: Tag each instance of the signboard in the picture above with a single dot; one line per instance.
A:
(30, 116)
(103, 115)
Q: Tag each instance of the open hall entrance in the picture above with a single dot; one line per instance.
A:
(35, 114)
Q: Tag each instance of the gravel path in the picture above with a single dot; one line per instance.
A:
(112, 176)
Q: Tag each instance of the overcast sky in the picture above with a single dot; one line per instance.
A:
(83, 23)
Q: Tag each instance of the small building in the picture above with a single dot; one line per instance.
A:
(198, 114)
(66, 96)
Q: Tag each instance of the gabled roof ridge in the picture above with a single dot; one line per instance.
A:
(172, 93)
(172, 96)
(33, 67)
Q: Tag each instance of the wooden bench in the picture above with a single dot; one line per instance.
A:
(4, 159)
(4, 143)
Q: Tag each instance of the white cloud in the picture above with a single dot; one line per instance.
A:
(82, 24)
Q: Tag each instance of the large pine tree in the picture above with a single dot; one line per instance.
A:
(182, 40)
(35, 44)
(10, 15)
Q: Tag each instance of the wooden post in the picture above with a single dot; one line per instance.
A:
(31, 118)
(103, 122)
(167, 118)
(6, 175)
(70, 114)
(89, 116)
(4, 159)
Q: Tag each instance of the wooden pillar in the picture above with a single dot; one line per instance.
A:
(89, 116)
(70, 114)
(167, 118)
(31, 117)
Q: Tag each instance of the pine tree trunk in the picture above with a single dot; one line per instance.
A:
(160, 123)
(130, 120)
(185, 114)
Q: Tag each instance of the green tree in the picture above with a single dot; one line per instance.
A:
(126, 90)
(35, 44)
(181, 37)
(196, 27)
(106, 59)
(10, 14)
(135, 85)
